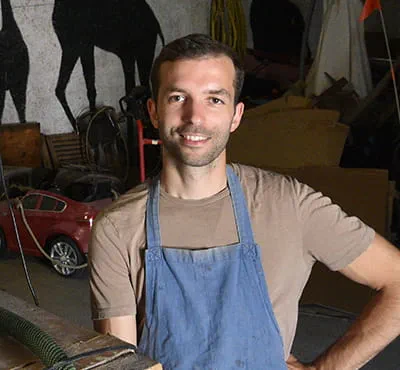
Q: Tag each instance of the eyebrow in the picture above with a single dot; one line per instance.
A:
(219, 92)
(175, 89)
(222, 92)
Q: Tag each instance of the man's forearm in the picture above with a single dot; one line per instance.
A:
(377, 326)
(122, 327)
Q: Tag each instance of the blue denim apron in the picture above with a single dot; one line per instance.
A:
(209, 309)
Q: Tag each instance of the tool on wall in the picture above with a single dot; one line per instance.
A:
(228, 24)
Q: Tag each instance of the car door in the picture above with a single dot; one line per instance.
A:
(46, 215)
(29, 203)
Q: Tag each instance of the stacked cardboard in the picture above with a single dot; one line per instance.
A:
(308, 144)
(289, 139)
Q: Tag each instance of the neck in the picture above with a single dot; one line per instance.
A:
(194, 182)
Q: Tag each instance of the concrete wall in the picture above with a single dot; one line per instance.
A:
(34, 19)
(176, 18)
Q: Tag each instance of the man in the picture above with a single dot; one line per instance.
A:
(178, 255)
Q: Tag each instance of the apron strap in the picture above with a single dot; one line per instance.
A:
(242, 219)
(152, 215)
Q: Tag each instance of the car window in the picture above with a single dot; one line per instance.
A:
(30, 201)
(47, 204)
(51, 204)
(60, 206)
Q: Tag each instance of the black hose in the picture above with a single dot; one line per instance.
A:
(39, 342)
(28, 279)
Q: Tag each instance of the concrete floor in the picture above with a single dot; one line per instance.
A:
(65, 297)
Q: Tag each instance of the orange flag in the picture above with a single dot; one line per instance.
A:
(369, 7)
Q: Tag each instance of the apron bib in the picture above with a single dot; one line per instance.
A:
(209, 309)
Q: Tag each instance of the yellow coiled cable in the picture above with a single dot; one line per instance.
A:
(228, 24)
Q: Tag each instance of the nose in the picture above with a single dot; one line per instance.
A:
(193, 112)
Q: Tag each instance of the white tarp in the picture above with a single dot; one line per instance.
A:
(341, 50)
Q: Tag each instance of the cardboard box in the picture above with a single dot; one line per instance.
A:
(284, 103)
(291, 139)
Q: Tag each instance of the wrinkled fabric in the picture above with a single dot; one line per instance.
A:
(209, 309)
(341, 51)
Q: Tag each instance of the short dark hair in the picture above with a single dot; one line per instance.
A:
(195, 46)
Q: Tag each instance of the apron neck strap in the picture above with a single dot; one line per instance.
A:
(243, 223)
(240, 209)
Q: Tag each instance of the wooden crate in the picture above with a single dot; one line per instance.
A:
(62, 149)
(20, 144)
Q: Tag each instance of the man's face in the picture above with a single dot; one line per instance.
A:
(195, 111)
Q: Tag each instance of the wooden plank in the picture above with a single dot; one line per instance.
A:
(46, 158)
(20, 144)
(74, 340)
(66, 149)
(355, 118)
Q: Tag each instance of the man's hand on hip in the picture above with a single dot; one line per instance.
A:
(294, 364)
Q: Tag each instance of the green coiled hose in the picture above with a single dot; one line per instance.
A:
(39, 342)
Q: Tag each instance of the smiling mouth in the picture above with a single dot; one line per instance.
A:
(195, 138)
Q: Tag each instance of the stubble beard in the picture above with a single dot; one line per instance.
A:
(189, 157)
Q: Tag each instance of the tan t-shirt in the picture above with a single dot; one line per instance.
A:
(293, 224)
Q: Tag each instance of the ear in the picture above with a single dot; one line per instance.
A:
(237, 117)
(151, 107)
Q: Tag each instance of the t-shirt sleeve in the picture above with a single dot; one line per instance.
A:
(111, 290)
(329, 234)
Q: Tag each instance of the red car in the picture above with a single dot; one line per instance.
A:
(61, 225)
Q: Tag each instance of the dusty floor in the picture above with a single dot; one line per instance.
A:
(65, 297)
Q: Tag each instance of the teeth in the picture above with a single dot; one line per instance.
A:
(194, 138)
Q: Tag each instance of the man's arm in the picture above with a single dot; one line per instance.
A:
(122, 327)
(110, 282)
(379, 323)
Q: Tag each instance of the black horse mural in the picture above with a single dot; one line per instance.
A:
(14, 62)
(127, 28)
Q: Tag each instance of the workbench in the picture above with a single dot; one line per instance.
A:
(74, 340)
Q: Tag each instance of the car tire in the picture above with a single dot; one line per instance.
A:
(3, 244)
(65, 250)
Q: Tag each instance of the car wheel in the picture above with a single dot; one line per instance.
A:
(3, 243)
(64, 249)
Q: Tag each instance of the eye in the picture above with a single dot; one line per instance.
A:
(176, 98)
(214, 100)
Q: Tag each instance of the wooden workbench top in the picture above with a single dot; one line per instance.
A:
(73, 339)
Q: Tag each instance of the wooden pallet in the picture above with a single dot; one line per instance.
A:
(63, 149)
